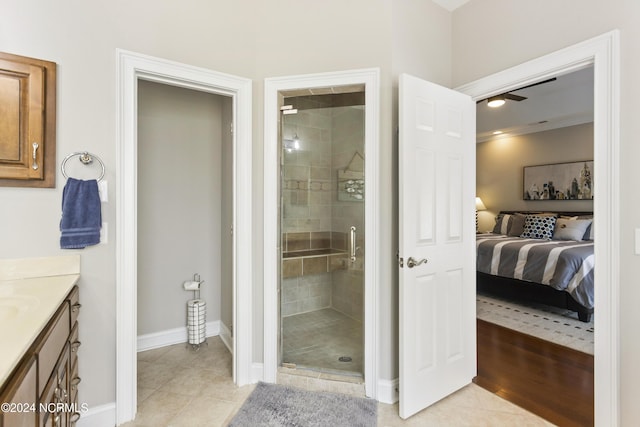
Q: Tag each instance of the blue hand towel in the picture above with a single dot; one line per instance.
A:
(81, 214)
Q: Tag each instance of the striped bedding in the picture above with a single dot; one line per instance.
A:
(563, 265)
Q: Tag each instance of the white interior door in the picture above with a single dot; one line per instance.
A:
(437, 234)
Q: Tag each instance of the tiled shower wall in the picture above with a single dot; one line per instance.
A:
(347, 294)
(306, 189)
(329, 137)
(306, 201)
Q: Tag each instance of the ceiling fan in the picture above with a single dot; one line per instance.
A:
(499, 100)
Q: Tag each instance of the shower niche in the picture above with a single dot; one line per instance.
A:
(322, 197)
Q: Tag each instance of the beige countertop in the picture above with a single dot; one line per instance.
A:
(31, 290)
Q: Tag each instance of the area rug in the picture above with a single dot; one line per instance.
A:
(545, 322)
(278, 405)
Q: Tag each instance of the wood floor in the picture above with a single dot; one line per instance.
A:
(550, 380)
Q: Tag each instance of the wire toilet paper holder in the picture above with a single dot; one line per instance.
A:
(196, 314)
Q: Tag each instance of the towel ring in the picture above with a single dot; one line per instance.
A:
(85, 158)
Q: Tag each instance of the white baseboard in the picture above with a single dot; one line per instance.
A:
(99, 416)
(172, 336)
(225, 336)
(388, 391)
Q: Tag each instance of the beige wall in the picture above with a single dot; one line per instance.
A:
(530, 29)
(226, 235)
(421, 41)
(421, 38)
(256, 39)
(499, 166)
(247, 38)
(179, 202)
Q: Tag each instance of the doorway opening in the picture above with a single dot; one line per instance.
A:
(131, 69)
(548, 128)
(550, 123)
(185, 189)
(280, 136)
(323, 197)
(603, 53)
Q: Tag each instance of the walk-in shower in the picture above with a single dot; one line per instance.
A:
(323, 196)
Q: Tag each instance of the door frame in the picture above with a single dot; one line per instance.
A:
(371, 79)
(603, 53)
(131, 67)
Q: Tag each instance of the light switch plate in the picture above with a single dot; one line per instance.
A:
(637, 241)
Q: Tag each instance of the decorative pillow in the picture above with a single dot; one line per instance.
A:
(588, 234)
(538, 227)
(517, 225)
(571, 229)
(509, 224)
(502, 224)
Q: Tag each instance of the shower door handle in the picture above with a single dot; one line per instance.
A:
(352, 243)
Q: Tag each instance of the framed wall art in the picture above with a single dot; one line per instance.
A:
(559, 181)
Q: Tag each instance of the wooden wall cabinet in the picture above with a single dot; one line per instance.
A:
(27, 122)
(44, 386)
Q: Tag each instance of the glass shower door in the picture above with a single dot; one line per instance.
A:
(322, 193)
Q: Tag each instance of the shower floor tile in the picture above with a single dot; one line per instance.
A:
(316, 340)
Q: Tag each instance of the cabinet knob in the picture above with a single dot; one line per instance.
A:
(75, 307)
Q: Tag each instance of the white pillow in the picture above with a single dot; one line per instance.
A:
(571, 229)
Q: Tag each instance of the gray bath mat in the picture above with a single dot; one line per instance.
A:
(277, 405)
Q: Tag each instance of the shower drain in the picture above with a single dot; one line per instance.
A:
(344, 359)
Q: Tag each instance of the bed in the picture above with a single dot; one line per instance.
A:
(541, 257)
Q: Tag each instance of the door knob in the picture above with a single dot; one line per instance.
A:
(411, 262)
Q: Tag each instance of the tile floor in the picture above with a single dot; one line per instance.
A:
(317, 339)
(181, 387)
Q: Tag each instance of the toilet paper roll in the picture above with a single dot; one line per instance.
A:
(196, 321)
(190, 285)
(196, 305)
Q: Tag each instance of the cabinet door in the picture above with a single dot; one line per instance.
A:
(21, 395)
(55, 398)
(55, 340)
(27, 121)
